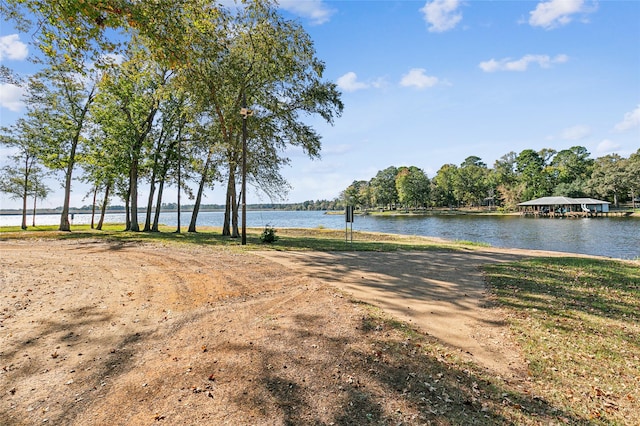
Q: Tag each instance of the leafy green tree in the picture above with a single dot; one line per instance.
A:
(609, 177)
(173, 153)
(130, 97)
(504, 180)
(383, 187)
(570, 170)
(24, 177)
(443, 188)
(208, 151)
(58, 100)
(633, 175)
(168, 139)
(413, 187)
(356, 194)
(270, 62)
(473, 160)
(505, 168)
(103, 162)
(39, 190)
(530, 167)
(78, 30)
(471, 185)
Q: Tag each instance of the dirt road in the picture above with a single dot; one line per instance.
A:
(103, 333)
(442, 293)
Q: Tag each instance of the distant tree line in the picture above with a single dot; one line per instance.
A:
(310, 205)
(514, 178)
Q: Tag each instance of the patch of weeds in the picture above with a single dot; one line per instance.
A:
(269, 235)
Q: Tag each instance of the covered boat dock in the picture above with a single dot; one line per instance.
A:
(564, 207)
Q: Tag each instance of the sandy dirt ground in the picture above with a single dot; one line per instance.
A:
(442, 293)
(103, 333)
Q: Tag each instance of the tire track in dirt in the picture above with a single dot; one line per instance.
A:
(75, 314)
(441, 292)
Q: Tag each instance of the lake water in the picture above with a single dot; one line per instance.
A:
(613, 237)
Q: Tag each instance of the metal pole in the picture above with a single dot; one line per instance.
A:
(244, 172)
(351, 233)
(179, 182)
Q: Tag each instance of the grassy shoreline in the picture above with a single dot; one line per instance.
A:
(289, 238)
(466, 212)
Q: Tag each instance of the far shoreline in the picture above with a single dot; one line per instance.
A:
(385, 213)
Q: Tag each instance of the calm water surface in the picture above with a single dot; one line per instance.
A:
(613, 237)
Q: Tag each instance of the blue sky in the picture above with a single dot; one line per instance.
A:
(426, 83)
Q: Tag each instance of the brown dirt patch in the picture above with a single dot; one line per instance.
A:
(440, 292)
(104, 333)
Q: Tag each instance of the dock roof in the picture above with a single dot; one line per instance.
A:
(561, 201)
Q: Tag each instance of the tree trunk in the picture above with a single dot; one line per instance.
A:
(25, 190)
(230, 227)
(234, 217)
(226, 225)
(203, 182)
(196, 210)
(127, 210)
(152, 190)
(24, 210)
(105, 203)
(64, 215)
(156, 217)
(93, 205)
(161, 179)
(178, 225)
(35, 198)
(133, 194)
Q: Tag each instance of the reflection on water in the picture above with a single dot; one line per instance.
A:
(614, 237)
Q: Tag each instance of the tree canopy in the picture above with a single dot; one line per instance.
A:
(514, 178)
(166, 94)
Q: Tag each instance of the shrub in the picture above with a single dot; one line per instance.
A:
(269, 235)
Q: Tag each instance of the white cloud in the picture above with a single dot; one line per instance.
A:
(555, 13)
(544, 61)
(320, 180)
(441, 15)
(11, 96)
(416, 77)
(379, 83)
(630, 120)
(12, 48)
(575, 133)
(349, 82)
(336, 149)
(607, 147)
(316, 10)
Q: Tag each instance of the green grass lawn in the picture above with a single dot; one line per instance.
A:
(578, 323)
